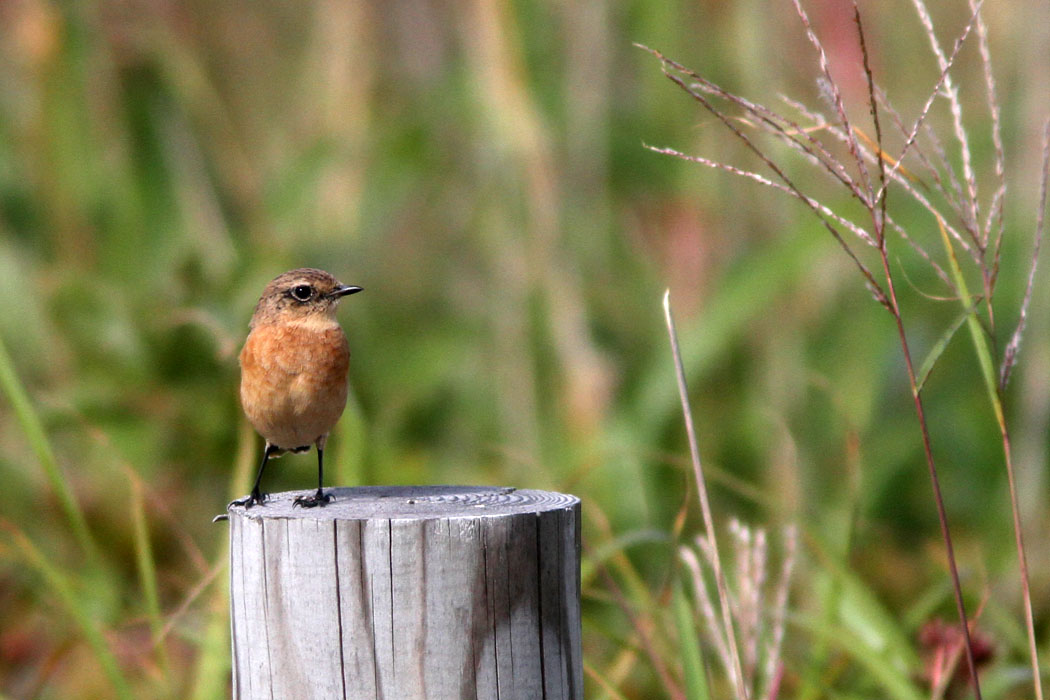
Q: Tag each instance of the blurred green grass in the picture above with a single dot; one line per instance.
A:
(478, 168)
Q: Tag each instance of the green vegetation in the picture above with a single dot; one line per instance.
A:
(480, 169)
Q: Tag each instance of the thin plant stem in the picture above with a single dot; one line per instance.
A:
(705, 506)
(942, 514)
(878, 215)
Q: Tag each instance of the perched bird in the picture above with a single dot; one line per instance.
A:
(294, 370)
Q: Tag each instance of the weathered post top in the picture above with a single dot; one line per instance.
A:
(407, 592)
(412, 502)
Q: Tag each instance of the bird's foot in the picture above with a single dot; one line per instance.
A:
(254, 498)
(318, 499)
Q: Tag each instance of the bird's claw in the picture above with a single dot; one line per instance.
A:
(318, 499)
(254, 498)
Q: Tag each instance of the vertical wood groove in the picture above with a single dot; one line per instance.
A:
(375, 655)
(539, 604)
(366, 584)
(236, 582)
(390, 593)
(266, 607)
(338, 602)
(491, 609)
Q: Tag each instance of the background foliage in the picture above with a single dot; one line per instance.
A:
(479, 169)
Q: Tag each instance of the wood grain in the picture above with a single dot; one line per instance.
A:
(438, 592)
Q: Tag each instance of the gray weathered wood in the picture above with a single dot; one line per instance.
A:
(408, 592)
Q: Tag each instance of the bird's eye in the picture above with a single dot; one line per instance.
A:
(302, 292)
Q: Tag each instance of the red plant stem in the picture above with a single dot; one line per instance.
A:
(942, 515)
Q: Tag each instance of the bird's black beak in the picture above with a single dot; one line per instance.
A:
(344, 290)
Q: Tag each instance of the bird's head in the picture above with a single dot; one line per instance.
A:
(302, 295)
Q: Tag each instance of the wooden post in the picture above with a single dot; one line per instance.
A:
(436, 592)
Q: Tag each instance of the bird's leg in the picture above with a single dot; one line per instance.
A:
(320, 498)
(257, 496)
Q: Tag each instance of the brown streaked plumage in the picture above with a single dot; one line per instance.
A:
(293, 370)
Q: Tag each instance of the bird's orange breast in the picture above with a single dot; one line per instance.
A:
(294, 381)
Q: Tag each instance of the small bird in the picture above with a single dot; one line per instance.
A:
(294, 370)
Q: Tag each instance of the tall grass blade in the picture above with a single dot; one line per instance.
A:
(64, 590)
(942, 343)
(689, 647)
(894, 681)
(859, 610)
(705, 506)
(147, 567)
(212, 674)
(605, 684)
(977, 335)
(33, 427)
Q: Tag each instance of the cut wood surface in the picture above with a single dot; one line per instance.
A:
(408, 592)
